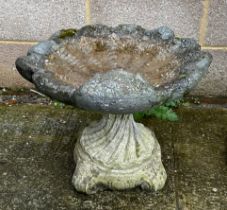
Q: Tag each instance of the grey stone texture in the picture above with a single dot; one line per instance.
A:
(115, 91)
(36, 161)
(181, 16)
(32, 20)
(37, 20)
(215, 82)
(217, 23)
(9, 76)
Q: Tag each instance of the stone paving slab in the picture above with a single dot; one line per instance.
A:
(36, 163)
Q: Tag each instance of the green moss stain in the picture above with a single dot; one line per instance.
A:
(64, 33)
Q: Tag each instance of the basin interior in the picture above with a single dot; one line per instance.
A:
(79, 59)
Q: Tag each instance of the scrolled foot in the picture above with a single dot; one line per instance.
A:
(154, 181)
(85, 179)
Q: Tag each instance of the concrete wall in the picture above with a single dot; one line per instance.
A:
(23, 23)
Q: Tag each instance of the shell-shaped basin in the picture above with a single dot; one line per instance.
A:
(120, 69)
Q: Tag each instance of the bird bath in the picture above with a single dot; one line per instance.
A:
(116, 71)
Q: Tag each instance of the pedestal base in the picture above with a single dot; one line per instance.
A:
(117, 153)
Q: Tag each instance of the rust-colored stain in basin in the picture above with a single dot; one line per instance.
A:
(78, 60)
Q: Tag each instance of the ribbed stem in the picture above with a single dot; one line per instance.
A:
(117, 140)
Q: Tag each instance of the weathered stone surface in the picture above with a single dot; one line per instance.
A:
(53, 65)
(217, 23)
(36, 161)
(117, 153)
(38, 172)
(9, 77)
(182, 16)
(215, 82)
(202, 179)
(37, 20)
(23, 20)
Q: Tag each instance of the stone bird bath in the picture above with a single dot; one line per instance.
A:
(116, 71)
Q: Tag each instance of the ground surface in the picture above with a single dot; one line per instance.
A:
(36, 163)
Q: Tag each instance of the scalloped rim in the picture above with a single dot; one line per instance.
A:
(31, 67)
